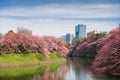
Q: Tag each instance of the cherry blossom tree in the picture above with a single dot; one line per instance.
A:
(25, 43)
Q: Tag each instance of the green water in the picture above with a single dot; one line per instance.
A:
(28, 73)
(72, 69)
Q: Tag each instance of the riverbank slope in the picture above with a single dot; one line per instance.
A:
(22, 60)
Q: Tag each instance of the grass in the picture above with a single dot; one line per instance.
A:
(28, 58)
(26, 72)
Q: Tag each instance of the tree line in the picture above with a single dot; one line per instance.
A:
(23, 41)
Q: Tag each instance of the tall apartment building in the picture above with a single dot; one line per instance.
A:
(80, 31)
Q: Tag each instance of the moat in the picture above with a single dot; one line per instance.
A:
(72, 69)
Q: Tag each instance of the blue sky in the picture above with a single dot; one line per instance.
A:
(58, 17)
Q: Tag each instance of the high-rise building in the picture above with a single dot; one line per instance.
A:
(80, 31)
(69, 37)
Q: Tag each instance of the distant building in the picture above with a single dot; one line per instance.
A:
(68, 37)
(92, 33)
(80, 31)
(63, 37)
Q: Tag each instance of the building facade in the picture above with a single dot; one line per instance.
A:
(80, 31)
(92, 33)
(68, 37)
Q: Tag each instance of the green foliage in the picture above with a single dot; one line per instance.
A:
(55, 56)
(10, 31)
(79, 40)
(67, 44)
(17, 58)
(0, 36)
(41, 57)
(92, 38)
(97, 36)
(28, 58)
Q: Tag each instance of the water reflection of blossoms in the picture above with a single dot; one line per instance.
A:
(59, 74)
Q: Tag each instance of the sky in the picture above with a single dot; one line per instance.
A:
(58, 17)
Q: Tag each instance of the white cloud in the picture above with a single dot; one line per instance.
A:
(53, 27)
(43, 19)
(66, 11)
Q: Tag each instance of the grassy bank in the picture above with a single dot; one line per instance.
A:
(28, 58)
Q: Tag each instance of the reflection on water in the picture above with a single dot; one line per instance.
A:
(73, 69)
(78, 69)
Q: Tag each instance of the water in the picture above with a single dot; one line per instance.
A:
(72, 69)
